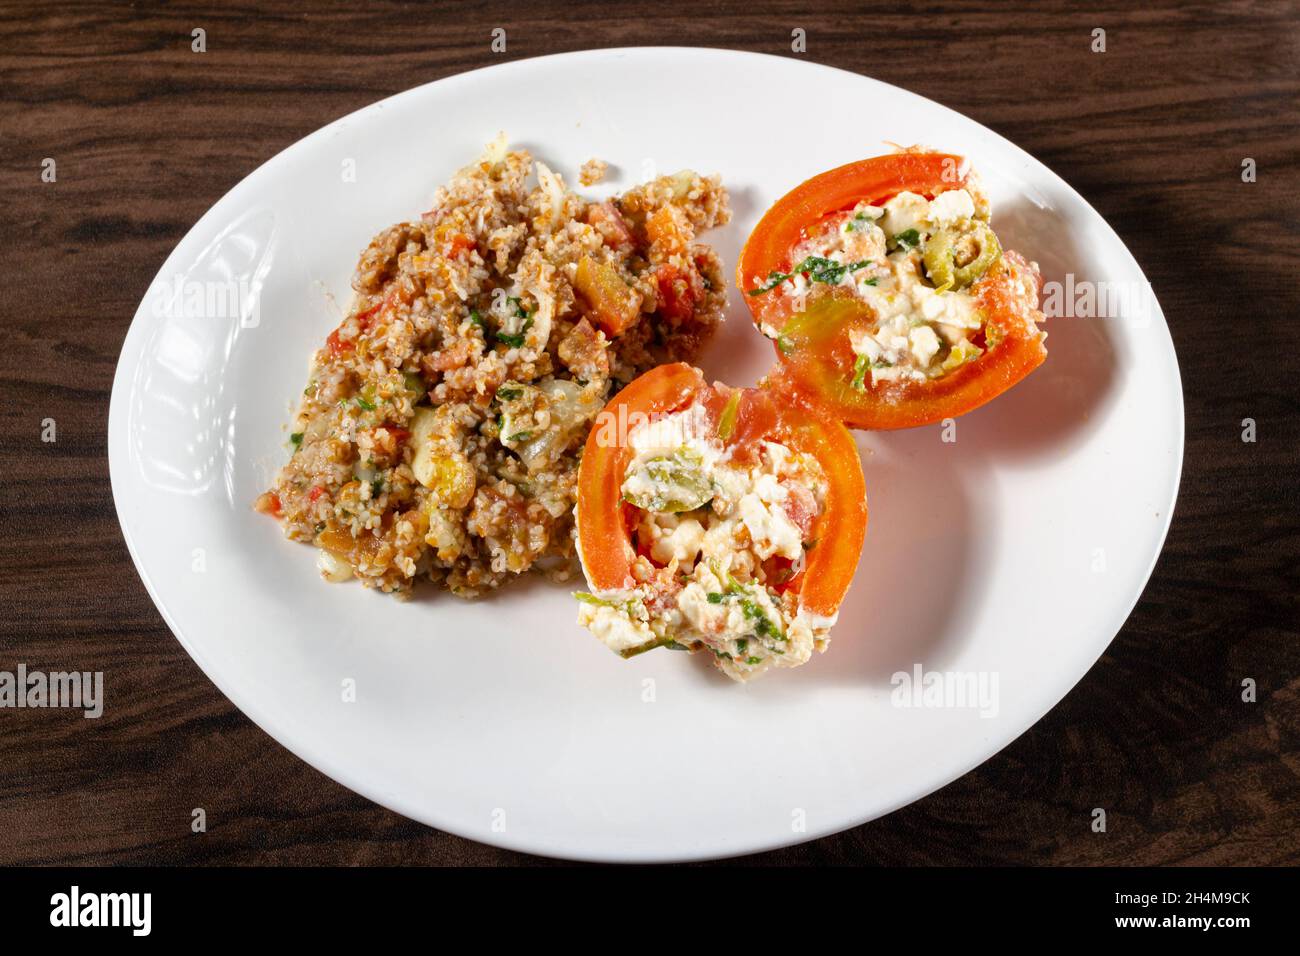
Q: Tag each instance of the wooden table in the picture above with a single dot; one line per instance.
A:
(147, 135)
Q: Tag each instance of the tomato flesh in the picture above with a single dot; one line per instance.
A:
(604, 525)
(816, 363)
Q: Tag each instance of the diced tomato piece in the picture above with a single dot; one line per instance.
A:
(367, 318)
(605, 218)
(446, 359)
(613, 303)
(315, 494)
(753, 417)
(669, 230)
(801, 508)
(338, 346)
(676, 293)
(460, 243)
(779, 572)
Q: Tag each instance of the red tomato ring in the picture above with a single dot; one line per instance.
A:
(816, 371)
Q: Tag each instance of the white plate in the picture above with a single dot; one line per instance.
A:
(1016, 551)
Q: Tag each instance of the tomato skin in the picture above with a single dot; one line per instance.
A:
(604, 537)
(874, 180)
(820, 373)
(603, 534)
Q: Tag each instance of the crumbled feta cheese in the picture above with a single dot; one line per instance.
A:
(905, 211)
(925, 344)
(889, 374)
(679, 543)
(950, 206)
(704, 579)
(613, 628)
(771, 531)
(864, 343)
(768, 487)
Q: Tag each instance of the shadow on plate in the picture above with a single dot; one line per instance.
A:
(906, 603)
(1060, 402)
(928, 516)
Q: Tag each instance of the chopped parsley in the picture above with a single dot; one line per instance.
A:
(629, 607)
(763, 625)
(362, 403)
(516, 340)
(817, 268)
(296, 438)
(860, 217)
(752, 610)
(908, 239)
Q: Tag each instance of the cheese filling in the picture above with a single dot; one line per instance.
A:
(878, 253)
(719, 540)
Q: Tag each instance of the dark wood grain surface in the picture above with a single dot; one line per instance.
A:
(147, 135)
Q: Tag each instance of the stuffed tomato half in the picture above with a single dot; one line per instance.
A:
(889, 296)
(718, 520)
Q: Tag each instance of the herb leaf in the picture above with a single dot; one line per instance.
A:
(818, 269)
(908, 239)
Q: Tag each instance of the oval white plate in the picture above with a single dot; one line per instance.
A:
(1011, 555)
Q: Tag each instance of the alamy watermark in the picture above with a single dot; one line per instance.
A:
(1134, 302)
(133, 911)
(76, 690)
(946, 690)
(183, 298)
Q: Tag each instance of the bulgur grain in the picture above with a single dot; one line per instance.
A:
(443, 419)
(592, 172)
